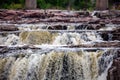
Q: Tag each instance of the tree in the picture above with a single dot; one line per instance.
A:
(30, 4)
(101, 4)
(70, 3)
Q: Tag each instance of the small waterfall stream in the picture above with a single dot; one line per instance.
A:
(62, 52)
(52, 38)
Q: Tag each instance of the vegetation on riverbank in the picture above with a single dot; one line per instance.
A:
(52, 4)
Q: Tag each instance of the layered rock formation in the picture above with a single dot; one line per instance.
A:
(36, 16)
(114, 71)
(52, 44)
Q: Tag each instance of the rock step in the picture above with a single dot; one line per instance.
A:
(37, 16)
(97, 45)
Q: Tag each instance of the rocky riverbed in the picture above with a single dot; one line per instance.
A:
(59, 38)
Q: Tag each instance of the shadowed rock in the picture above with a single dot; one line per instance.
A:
(8, 28)
(114, 71)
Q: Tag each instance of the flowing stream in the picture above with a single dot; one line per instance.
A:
(54, 64)
(52, 38)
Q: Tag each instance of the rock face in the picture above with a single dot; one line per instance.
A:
(8, 28)
(55, 48)
(37, 16)
(114, 71)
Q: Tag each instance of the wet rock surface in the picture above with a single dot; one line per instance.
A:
(114, 71)
(8, 28)
(32, 30)
(59, 20)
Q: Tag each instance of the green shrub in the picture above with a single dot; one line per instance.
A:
(45, 4)
(15, 6)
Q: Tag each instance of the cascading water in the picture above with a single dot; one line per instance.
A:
(59, 45)
(66, 64)
(54, 61)
(45, 37)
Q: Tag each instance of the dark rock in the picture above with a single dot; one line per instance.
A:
(23, 16)
(82, 26)
(11, 12)
(57, 27)
(102, 24)
(116, 34)
(105, 36)
(32, 15)
(3, 14)
(93, 21)
(3, 49)
(41, 15)
(97, 14)
(114, 71)
(89, 26)
(116, 21)
(84, 13)
(8, 28)
(9, 18)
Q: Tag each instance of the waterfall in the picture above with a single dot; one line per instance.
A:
(59, 44)
(56, 65)
(51, 38)
(53, 54)
(76, 38)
